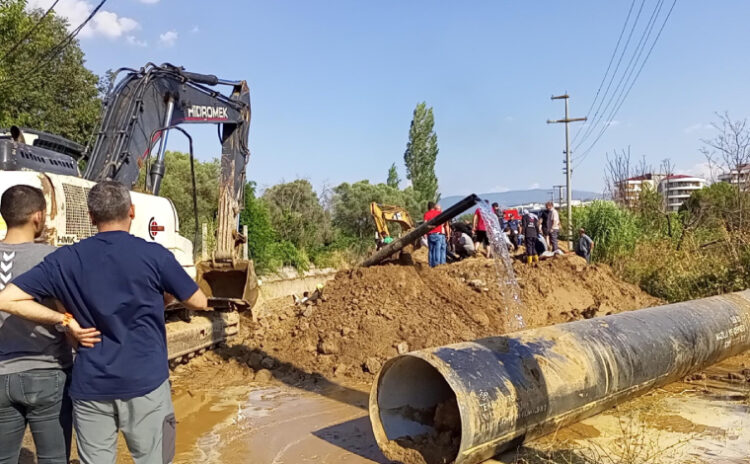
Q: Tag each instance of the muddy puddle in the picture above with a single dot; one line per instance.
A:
(278, 424)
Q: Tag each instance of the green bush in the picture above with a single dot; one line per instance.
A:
(615, 230)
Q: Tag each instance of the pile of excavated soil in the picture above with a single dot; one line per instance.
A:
(368, 315)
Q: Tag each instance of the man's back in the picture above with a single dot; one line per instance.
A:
(25, 345)
(115, 282)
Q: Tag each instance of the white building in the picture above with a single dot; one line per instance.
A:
(675, 188)
(732, 176)
(630, 189)
(678, 187)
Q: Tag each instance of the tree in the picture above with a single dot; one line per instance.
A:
(62, 96)
(393, 179)
(351, 206)
(178, 187)
(730, 151)
(421, 154)
(297, 215)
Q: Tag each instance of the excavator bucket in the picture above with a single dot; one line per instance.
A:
(228, 285)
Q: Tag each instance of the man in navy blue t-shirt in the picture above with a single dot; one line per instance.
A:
(115, 282)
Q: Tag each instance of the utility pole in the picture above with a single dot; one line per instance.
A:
(568, 167)
(559, 193)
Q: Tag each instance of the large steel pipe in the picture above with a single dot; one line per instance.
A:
(467, 402)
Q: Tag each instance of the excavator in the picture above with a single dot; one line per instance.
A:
(384, 214)
(142, 108)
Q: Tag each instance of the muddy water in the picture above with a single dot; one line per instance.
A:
(276, 423)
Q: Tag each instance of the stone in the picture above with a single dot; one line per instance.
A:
(372, 365)
(481, 318)
(340, 369)
(346, 331)
(263, 375)
(308, 312)
(327, 346)
(477, 284)
(402, 348)
(254, 359)
(268, 363)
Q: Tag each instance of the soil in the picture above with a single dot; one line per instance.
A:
(368, 315)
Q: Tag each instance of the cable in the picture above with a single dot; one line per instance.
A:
(57, 49)
(622, 100)
(28, 34)
(609, 66)
(627, 73)
(590, 127)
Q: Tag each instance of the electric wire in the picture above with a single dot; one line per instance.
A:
(630, 87)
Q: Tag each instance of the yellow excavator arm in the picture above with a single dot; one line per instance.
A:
(383, 214)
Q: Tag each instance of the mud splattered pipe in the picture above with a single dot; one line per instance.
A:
(527, 384)
(411, 237)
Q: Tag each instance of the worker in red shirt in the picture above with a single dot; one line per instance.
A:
(436, 237)
(479, 228)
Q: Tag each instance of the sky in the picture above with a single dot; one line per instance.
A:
(333, 83)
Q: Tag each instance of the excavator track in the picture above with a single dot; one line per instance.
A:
(203, 331)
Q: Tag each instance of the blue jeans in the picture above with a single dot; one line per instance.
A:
(437, 245)
(40, 398)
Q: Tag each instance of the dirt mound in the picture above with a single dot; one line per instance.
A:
(370, 315)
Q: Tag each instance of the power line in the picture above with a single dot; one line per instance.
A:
(28, 34)
(590, 127)
(632, 83)
(627, 72)
(53, 52)
(609, 66)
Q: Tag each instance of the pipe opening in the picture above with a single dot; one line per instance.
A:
(419, 413)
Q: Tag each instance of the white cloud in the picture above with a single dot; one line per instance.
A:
(195, 30)
(149, 1)
(104, 23)
(533, 186)
(169, 38)
(132, 40)
(500, 189)
(699, 126)
(509, 119)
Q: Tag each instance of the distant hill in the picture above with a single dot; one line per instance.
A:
(521, 197)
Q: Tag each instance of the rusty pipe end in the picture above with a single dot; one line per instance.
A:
(415, 413)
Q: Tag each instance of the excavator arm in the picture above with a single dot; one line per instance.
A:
(383, 214)
(137, 116)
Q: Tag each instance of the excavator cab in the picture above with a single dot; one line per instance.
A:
(384, 214)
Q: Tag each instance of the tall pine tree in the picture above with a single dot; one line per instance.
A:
(421, 153)
(393, 179)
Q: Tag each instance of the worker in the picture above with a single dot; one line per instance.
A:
(435, 237)
(584, 245)
(479, 228)
(531, 231)
(387, 238)
(553, 227)
(462, 242)
(35, 359)
(120, 282)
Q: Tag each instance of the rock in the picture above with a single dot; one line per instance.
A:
(402, 348)
(310, 347)
(263, 375)
(478, 285)
(340, 369)
(696, 376)
(355, 301)
(327, 346)
(346, 331)
(268, 363)
(589, 312)
(254, 359)
(372, 365)
(308, 312)
(481, 318)
(180, 369)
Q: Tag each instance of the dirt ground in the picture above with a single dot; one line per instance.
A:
(293, 388)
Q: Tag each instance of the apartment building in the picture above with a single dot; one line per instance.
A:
(741, 175)
(678, 187)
